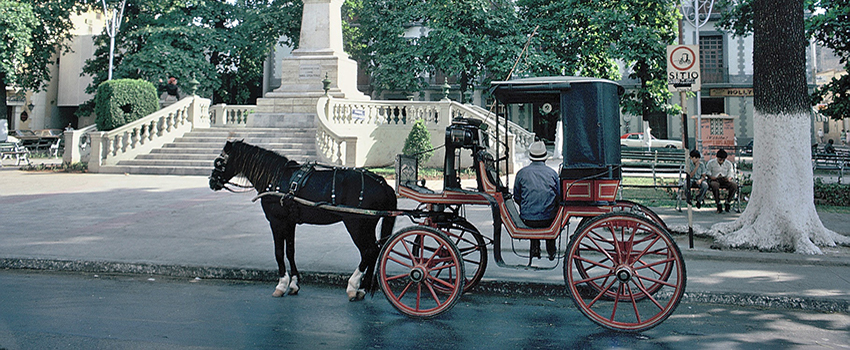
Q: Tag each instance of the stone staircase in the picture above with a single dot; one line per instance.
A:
(193, 154)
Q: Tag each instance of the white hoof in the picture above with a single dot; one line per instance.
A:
(282, 287)
(293, 286)
(358, 295)
(353, 289)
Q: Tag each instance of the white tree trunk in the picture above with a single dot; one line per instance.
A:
(781, 213)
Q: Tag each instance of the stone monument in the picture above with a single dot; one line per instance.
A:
(319, 54)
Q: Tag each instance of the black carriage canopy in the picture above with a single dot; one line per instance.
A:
(590, 115)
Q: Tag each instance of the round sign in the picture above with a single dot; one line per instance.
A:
(682, 58)
(24, 116)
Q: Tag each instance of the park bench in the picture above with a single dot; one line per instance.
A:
(9, 150)
(839, 160)
(657, 163)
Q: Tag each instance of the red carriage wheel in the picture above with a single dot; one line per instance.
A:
(640, 210)
(624, 272)
(632, 208)
(472, 247)
(418, 271)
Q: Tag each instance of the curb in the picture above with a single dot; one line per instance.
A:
(487, 287)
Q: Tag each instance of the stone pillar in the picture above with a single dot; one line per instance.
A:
(319, 53)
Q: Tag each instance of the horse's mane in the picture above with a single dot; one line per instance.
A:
(260, 166)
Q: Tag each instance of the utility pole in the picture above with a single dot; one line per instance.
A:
(113, 25)
(696, 13)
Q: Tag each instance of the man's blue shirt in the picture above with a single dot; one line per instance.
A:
(536, 189)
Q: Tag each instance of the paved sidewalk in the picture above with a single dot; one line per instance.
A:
(176, 225)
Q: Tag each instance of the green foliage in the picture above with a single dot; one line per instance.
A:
(831, 193)
(16, 22)
(221, 44)
(831, 27)
(418, 142)
(828, 25)
(33, 31)
(122, 101)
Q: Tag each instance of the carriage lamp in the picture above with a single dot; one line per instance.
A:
(193, 85)
(326, 84)
(446, 88)
(30, 106)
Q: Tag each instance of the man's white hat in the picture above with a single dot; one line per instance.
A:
(537, 151)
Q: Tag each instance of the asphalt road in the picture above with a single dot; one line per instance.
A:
(46, 310)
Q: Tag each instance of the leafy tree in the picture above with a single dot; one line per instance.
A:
(781, 214)
(221, 44)
(640, 31)
(571, 40)
(392, 60)
(829, 25)
(33, 32)
(474, 40)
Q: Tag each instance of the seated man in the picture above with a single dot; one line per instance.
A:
(721, 175)
(695, 169)
(536, 190)
(830, 147)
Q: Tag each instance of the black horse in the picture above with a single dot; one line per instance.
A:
(270, 172)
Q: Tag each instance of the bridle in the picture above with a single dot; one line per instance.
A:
(217, 176)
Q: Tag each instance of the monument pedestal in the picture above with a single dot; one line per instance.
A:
(319, 53)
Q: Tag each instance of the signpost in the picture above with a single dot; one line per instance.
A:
(682, 76)
(683, 68)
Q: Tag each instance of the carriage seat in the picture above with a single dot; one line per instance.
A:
(513, 212)
(420, 189)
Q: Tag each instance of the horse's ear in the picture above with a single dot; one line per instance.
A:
(227, 146)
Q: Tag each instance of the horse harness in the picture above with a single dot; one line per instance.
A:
(302, 175)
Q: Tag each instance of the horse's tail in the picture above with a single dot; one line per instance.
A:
(387, 226)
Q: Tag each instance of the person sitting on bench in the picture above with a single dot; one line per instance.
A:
(721, 175)
(695, 169)
(536, 190)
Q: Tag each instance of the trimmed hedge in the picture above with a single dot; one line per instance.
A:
(418, 142)
(122, 101)
(831, 193)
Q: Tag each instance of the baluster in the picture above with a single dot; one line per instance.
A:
(134, 138)
(151, 128)
(125, 140)
(115, 142)
(339, 152)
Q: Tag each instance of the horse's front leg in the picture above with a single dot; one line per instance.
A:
(282, 232)
(290, 255)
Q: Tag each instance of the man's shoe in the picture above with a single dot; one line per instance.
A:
(727, 207)
(719, 209)
(551, 250)
(699, 204)
(535, 250)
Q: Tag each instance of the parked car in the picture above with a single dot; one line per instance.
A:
(635, 139)
(748, 149)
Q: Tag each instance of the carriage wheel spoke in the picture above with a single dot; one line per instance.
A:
(433, 294)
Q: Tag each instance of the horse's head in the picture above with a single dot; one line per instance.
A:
(223, 170)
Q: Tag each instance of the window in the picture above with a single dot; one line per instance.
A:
(711, 59)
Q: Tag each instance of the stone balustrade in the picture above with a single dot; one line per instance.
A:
(371, 133)
(145, 134)
(78, 145)
(231, 115)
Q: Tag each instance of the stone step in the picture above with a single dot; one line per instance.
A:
(193, 154)
(251, 140)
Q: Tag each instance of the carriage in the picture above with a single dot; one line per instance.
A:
(621, 266)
